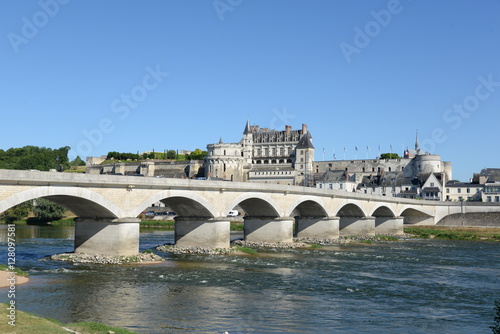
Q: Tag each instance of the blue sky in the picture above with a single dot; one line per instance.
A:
(132, 76)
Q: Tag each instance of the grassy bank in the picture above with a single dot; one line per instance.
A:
(455, 233)
(18, 271)
(28, 323)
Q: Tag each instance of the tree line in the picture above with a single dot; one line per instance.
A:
(40, 158)
(168, 155)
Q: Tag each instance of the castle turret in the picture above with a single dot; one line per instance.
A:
(304, 157)
(247, 143)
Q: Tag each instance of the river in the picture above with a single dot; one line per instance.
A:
(411, 286)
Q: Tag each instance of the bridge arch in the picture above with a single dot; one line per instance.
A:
(383, 211)
(415, 216)
(184, 202)
(82, 202)
(351, 210)
(307, 206)
(256, 205)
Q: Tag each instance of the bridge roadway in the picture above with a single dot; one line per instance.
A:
(107, 207)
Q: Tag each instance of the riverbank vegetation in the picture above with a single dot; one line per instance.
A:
(17, 271)
(455, 233)
(29, 323)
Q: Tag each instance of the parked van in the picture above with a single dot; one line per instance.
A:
(233, 213)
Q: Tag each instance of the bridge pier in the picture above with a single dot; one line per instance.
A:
(202, 232)
(356, 226)
(317, 227)
(107, 236)
(389, 225)
(268, 229)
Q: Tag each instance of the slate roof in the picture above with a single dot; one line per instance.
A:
(493, 174)
(305, 141)
(436, 189)
(331, 176)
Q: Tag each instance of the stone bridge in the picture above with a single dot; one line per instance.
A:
(107, 207)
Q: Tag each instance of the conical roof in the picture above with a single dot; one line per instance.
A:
(305, 141)
(247, 128)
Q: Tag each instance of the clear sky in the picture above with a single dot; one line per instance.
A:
(130, 76)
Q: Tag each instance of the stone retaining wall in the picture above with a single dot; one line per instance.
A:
(480, 219)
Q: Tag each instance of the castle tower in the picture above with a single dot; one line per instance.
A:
(304, 158)
(247, 143)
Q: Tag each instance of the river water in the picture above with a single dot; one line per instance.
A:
(413, 286)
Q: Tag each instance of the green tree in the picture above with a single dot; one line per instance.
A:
(77, 161)
(389, 156)
(17, 212)
(45, 209)
(171, 154)
(197, 155)
(33, 157)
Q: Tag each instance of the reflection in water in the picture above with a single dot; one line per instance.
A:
(34, 232)
(419, 286)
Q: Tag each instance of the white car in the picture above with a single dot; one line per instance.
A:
(233, 213)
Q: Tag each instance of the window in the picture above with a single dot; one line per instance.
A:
(432, 184)
(460, 198)
(331, 186)
(459, 190)
(448, 191)
(497, 198)
(488, 198)
(468, 190)
(341, 186)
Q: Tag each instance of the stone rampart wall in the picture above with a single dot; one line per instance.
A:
(489, 219)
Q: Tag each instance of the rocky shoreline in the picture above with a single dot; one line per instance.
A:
(297, 243)
(235, 248)
(169, 248)
(142, 258)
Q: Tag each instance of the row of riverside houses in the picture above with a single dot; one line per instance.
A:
(287, 157)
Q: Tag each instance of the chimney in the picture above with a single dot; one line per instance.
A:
(288, 129)
(304, 129)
